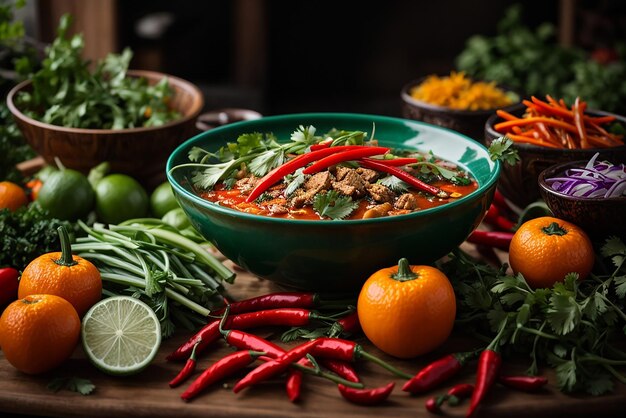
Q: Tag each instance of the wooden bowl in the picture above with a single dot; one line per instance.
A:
(467, 122)
(518, 182)
(139, 152)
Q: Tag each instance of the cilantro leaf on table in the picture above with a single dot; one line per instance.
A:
(73, 384)
(334, 205)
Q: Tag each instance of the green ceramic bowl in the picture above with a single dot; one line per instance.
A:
(338, 256)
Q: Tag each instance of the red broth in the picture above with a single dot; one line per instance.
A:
(234, 199)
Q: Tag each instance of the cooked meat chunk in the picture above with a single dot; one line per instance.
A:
(351, 184)
(378, 211)
(246, 184)
(380, 193)
(368, 175)
(301, 198)
(406, 201)
(341, 172)
(318, 182)
(277, 209)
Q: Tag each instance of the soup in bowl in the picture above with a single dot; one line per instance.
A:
(321, 201)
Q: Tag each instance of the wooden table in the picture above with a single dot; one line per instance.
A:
(148, 394)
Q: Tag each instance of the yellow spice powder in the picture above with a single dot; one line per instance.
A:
(459, 92)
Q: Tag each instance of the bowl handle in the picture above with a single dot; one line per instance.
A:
(218, 117)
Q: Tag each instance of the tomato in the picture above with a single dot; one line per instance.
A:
(120, 197)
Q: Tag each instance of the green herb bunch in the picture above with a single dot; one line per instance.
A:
(574, 327)
(533, 62)
(66, 93)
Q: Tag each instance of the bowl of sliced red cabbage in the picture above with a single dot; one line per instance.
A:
(591, 194)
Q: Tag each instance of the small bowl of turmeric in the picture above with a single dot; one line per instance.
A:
(456, 102)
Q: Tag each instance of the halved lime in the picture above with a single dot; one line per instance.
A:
(121, 335)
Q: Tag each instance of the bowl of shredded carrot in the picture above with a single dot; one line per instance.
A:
(455, 101)
(548, 132)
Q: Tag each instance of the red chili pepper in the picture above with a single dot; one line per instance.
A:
(437, 372)
(8, 285)
(292, 165)
(403, 175)
(187, 370)
(321, 145)
(246, 341)
(274, 367)
(342, 369)
(500, 201)
(272, 301)
(496, 239)
(219, 370)
(486, 375)
(459, 392)
(525, 383)
(494, 218)
(294, 382)
(292, 317)
(366, 396)
(349, 324)
(349, 351)
(348, 155)
(432, 405)
(396, 162)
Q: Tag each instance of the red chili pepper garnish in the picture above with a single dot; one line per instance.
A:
(219, 370)
(187, 369)
(274, 367)
(292, 165)
(437, 372)
(496, 239)
(403, 175)
(246, 341)
(366, 396)
(341, 369)
(396, 162)
(293, 384)
(494, 218)
(348, 155)
(321, 145)
(272, 301)
(349, 324)
(487, 372)
(9, 284)
(349, 351)
(459, 392)
(525, 383)
(205, 337)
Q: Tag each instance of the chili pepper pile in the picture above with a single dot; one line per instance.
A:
(328, 357)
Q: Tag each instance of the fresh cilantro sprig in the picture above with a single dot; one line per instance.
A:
(73, 384)
(571, 327)
(500, 149)
(333, 205)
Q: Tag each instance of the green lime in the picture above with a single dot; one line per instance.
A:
(177, 218)
(120, 335)
(66, 194)
(120, 197)
(162, 200)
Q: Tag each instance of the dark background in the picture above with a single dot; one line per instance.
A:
(295, 56)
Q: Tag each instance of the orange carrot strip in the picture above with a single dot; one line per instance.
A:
(528, 140)
(529, 121)
(600, 119)
(578, 110)
(506, 115)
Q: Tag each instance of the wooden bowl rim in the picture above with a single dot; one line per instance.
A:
(197, 105)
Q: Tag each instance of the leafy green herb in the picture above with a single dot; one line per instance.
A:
(500, 149)
(394, 184)
(573, 326)
(294, 181)
(66, 93)
(334, 205)
(73, 384)
(26, 234)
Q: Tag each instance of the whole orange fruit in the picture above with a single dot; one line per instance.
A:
(12, 196)
(60, 273)
(39, 332)
(545, 249)
(407, 310)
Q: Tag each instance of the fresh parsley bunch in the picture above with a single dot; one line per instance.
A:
(573, 327)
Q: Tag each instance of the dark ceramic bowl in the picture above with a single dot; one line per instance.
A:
(518, 182)
(599, 217)
(467, 122)
(339, 255)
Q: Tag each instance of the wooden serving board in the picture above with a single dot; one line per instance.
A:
(148, 394)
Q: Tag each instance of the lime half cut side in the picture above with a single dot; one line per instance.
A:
(121, 335)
